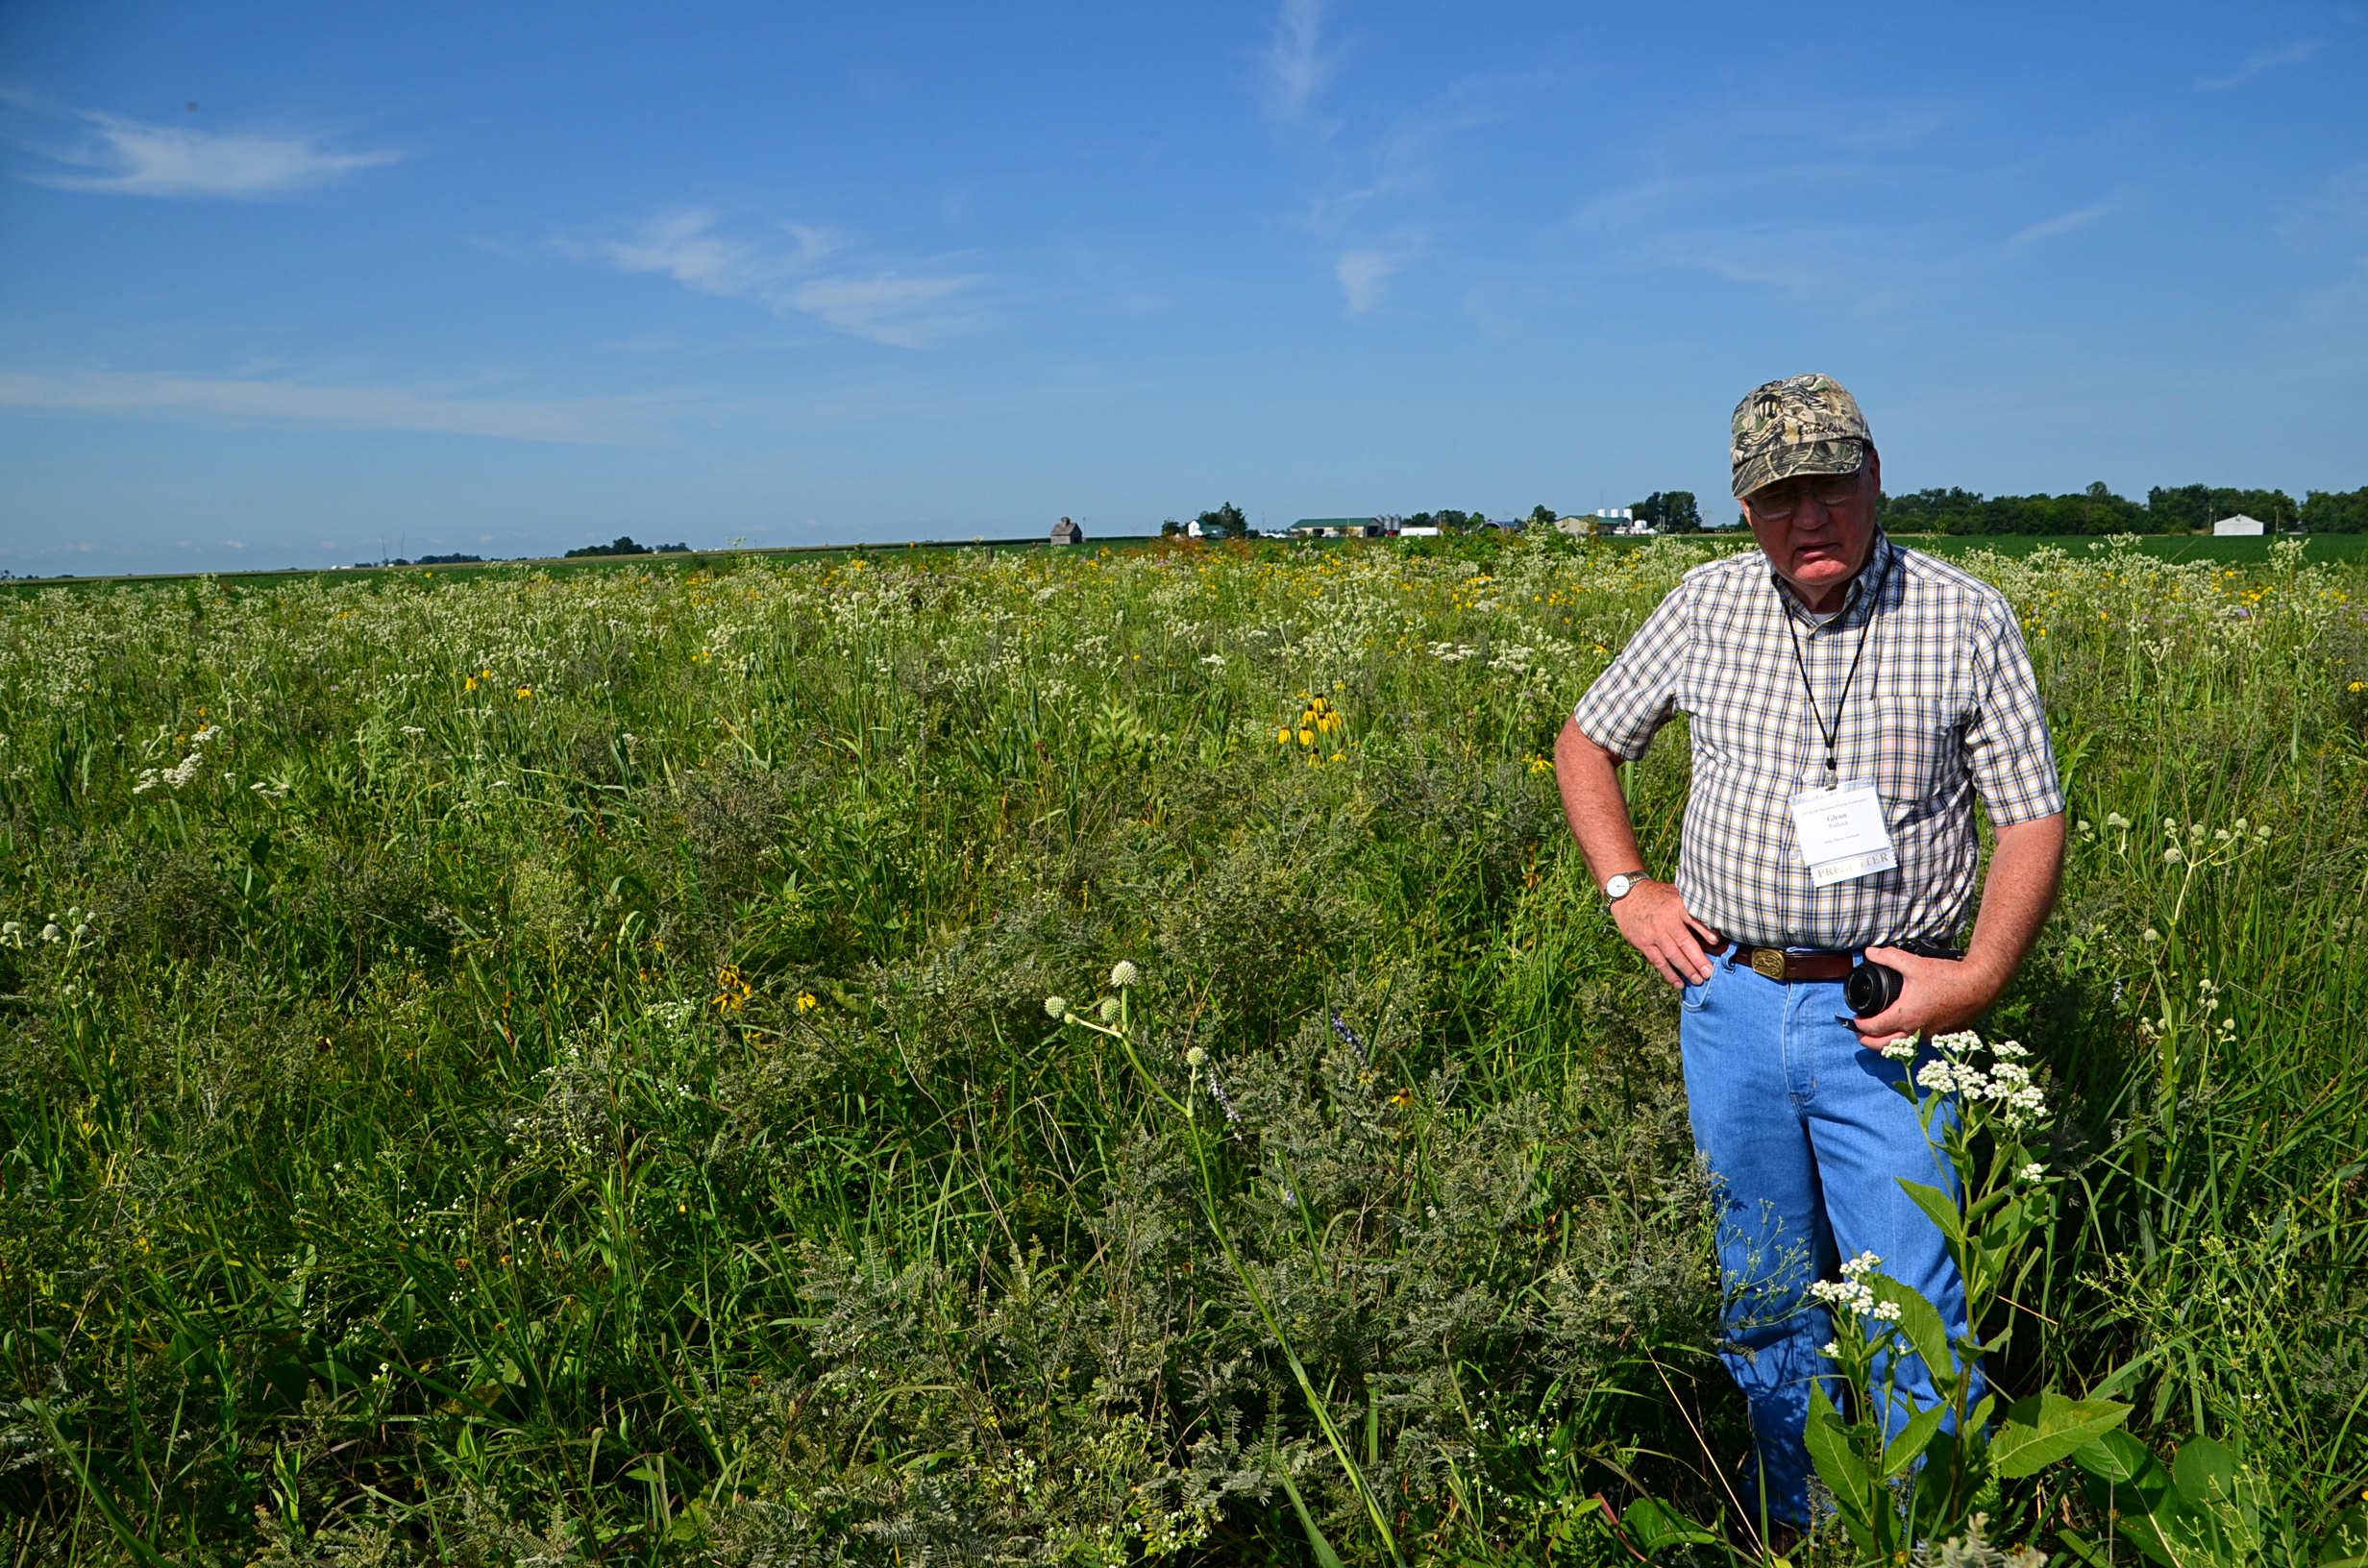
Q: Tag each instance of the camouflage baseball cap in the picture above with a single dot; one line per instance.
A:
(1800, 425)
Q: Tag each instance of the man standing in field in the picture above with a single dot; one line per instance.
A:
(1846, 701)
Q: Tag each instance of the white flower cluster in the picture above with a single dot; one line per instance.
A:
(176, 777)
(2007, 1084)
(1852, 1295)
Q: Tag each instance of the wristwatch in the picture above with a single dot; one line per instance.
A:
(1622, 885)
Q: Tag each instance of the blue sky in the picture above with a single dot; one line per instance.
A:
(510, 279)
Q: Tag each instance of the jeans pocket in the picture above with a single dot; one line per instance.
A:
(1695, 996)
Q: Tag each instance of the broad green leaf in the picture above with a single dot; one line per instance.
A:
(1921, 1323)
(2045, 1428)
(1838, 1464)
(1909, 1446)
(2205, 1473)
(1939, 1205)
(2119, 1459)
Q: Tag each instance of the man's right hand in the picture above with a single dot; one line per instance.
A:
(1653, 920)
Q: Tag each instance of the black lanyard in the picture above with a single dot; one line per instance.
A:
(1833, 737)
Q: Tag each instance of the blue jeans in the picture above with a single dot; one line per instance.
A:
(1805, 1136)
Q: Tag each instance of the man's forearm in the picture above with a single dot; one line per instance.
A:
(2025, 871)
(1588, 777)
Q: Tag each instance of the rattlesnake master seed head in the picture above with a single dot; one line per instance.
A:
(1057, 1007)
(1109, 1010)
(1195, 1056)
(1124, 973)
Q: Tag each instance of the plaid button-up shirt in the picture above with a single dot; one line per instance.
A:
(1945, 706)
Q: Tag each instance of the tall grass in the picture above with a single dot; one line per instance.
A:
(564, 1076)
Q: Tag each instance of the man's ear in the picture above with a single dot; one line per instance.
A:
(1874, 466)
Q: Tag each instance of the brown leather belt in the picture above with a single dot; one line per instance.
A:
(1778, 965)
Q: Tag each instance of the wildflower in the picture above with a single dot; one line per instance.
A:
(524, 692)
(1885, 1311)
(2114, 819)
(806, 1002)
(2173, 856)
(1282, 736)
(1307, 737)
(1124, 973)
(1829, 1350)
(51, 933)
(2357, 686)
(2031, 1172)
(2152, 935)
(1195, 1056)
(413, 729)
(1057, 1007)
(1217, 1092)
(1109, 1010)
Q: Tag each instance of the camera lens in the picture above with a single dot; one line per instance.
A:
(1870, 988)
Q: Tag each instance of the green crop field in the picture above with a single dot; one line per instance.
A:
(510, 1068)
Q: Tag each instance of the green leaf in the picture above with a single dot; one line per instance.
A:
(2345, 1545)
(1939, 1205)
(2085, 1549)
(1837, 1463)
(1654, 1527)
(2119, 1459)
(1326, 1556)
(1921, 1323)
(2045, 1428)
(1909, 1446)
(2205, 1473)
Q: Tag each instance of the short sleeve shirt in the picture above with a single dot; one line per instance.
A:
(1945, 706)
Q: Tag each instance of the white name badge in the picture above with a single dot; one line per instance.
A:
(1843, 833)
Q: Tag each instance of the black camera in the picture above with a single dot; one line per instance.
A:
(1872, 988)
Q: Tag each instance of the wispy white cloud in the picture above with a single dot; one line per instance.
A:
(1295, 65)
(1364, 277)
(124, 157)
(2064, 223)
(2263, 60)
(140, 394)
(778, 267)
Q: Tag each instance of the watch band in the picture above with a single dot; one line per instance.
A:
(1616, 888)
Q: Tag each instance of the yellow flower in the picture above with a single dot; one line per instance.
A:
(524, 692)
(2357, 686)
(806, 1002)
(1282, 736)
(471, 686)
(1307, 737)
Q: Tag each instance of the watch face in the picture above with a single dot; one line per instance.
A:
(1619, 885)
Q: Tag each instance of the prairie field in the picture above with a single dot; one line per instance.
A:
(514, 1068)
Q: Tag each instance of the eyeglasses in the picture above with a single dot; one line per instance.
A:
(1779, 501)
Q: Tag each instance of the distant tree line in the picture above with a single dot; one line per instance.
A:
(2098, 511)
(625, 546)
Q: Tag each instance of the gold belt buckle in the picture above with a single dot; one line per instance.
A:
(1769, 961)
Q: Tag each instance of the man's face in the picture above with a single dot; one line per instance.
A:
(1820, 543)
